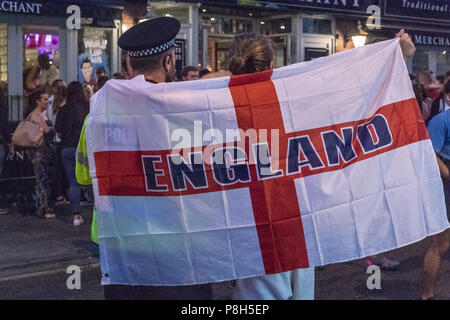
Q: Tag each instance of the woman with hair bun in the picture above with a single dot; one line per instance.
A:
(252, 53)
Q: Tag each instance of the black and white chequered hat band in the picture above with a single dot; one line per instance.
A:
(152, 51)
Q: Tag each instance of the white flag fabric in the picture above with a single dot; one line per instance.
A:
(315, 163)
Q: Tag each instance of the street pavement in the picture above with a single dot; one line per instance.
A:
(35, 253)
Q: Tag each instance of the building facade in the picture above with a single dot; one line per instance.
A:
(300, 30)
(306, 29)
(29, 28)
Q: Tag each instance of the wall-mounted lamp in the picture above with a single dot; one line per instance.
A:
(360, 36)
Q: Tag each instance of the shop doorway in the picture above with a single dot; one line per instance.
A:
(316, 46)
(218, 51)
(219, 32)
(281, 46)
(39, 41)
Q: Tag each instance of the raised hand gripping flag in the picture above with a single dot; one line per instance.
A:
(315, 163)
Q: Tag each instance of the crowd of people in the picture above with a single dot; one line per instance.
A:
(61, 109)
(433, 98)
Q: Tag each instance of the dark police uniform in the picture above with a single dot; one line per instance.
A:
(145, 39)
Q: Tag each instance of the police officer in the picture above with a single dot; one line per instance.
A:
(149, 48)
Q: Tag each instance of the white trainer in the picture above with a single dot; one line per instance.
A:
(77, 222)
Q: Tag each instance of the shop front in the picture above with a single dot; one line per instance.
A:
(31, 28)
(302, 30)
(299, 30)
(428, 23)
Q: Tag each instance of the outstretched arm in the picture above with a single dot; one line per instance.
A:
(443, 169)
(408, 47)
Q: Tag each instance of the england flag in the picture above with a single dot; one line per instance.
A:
(315, 163)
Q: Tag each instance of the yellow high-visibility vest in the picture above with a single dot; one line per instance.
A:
(82, 174)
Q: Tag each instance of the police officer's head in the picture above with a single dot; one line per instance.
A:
(150, 47)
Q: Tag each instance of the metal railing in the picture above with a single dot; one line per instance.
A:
(16, 107)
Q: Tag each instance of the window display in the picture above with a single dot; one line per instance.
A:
(94, 53)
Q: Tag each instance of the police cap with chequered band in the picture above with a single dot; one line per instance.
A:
(150, 37)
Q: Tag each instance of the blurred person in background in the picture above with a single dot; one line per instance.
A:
(5, 139)
(413, 79)
(99, 72)
(190, 73)
(439, 131)
(101, 82)
(56, 84)
(31, 80)
(49, 72)
(432, 87)
(118, 75)
(42, 158)
(203, 73)
(423, 101)
(442, 103)
(446, 78)
(69, 124)
(60, 181)
(87, 91)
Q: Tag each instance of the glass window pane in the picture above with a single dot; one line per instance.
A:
(181, 13)
(420, 61)
(319, 26)
(276, 26)
(3, 52)
(443, 62)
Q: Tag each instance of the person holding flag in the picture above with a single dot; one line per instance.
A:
(118, 177)
(152, 55)
(250, 53)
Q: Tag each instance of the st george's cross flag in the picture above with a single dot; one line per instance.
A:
(315, 163)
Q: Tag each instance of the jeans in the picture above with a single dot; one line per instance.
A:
(2, 157)
(43, 169)
(68, 158)
(60, 180)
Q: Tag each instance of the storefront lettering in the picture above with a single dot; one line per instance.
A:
(418, 9)
(429, 40)
(95, 44)
(429, 6)
(20, 7)
(334, 2)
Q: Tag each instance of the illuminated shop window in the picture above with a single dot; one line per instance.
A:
(3, 52)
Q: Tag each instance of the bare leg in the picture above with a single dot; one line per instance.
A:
(432, 262)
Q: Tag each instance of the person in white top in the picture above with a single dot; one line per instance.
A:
(49, 72)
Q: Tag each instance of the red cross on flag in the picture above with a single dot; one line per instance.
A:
(315, 163)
